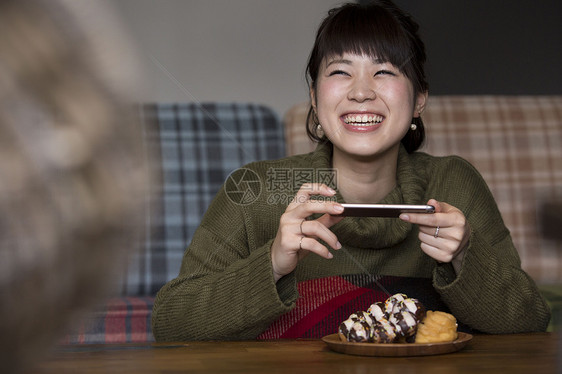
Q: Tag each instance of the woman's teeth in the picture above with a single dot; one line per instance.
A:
(363, 119)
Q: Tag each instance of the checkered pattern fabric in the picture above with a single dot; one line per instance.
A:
(516, 144)
(194, 147)
(119, 320)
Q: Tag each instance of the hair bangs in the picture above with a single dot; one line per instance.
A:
(381, 31)
(368, 32)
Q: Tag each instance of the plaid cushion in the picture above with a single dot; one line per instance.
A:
(120, 320)
(514, 141)
(194, 147)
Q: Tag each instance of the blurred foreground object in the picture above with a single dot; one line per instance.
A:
(71, 170)
(551, 219)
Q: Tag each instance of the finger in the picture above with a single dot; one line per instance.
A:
(440, 241)
(445, 243)
(329, 220)
(441, 217)
(449, 239)
(316, 206)
(318, 230)
(436, 253)
(436, 231)
(312, 245)
(442, 207)
(295, 217)
(436, 204)
(310, 189)
(422, 219)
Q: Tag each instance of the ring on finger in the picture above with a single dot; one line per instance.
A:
(300, 243)
(436, 235)
(301, 226)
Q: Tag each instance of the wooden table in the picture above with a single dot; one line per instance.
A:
(521, 353)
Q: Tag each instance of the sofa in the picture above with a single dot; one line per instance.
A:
(514, 141)
(516, 144)
(191, 149)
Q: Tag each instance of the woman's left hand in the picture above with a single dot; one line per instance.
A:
(444, 235)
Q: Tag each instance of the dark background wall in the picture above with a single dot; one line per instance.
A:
(491, 46)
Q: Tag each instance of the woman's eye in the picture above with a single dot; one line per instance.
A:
(384, 72)
(338, 72)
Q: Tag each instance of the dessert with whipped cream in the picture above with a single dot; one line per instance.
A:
(392, 302)
(398, 319)
(383, 332)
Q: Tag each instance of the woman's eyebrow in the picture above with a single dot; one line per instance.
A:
(375, 60)
(339, 61)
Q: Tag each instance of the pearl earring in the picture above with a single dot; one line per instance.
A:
(413, 127)
(319, 130)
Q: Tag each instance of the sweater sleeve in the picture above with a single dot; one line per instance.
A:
(225, 289)
(491, 293)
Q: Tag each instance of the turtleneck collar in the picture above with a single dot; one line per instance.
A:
(378, 233)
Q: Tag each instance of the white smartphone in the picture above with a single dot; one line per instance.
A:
(383, 210)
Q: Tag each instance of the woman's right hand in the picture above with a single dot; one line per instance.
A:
(297, 236)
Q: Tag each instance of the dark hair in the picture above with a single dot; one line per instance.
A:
(380, 30)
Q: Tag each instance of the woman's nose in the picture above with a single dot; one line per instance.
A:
(361, 90)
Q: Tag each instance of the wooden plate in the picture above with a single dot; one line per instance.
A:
(396, 349)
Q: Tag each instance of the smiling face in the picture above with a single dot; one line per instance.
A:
(381, 31)
(365, 106)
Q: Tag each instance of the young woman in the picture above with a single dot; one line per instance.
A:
(275, 268)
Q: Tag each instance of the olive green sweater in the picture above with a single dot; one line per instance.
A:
(225, 289)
